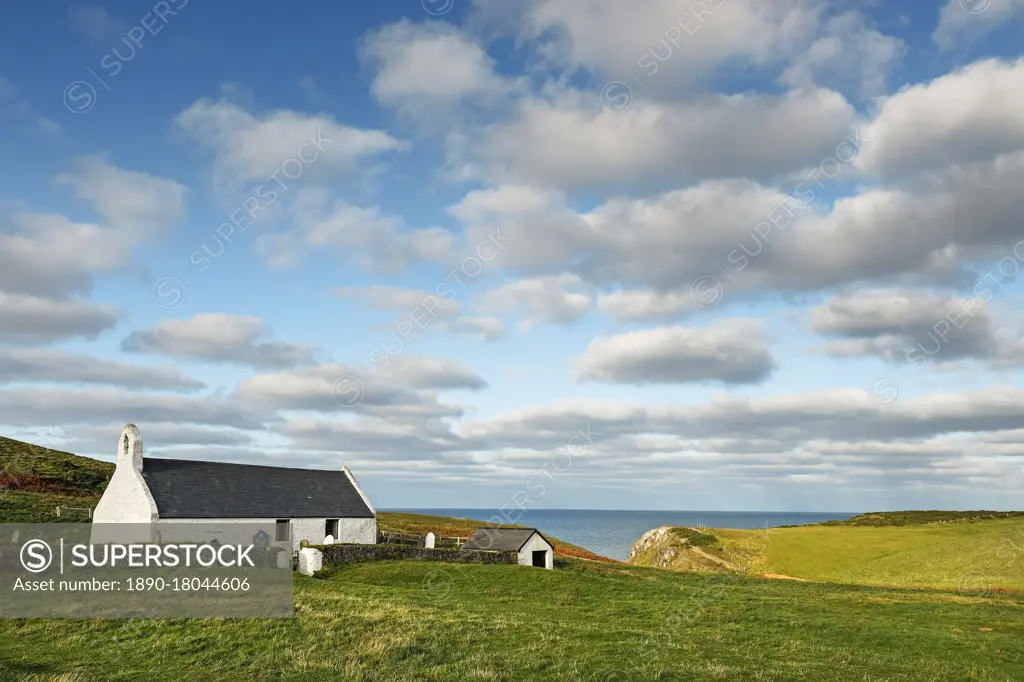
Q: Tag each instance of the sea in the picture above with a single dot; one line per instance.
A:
(611, 533)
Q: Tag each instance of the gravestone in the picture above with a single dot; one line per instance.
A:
(428, 542)
(329, 540)
(310, 560)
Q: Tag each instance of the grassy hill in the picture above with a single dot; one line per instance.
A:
(34, 480)
(583, 621)
(962, 554)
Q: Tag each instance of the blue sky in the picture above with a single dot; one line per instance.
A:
(752, 249)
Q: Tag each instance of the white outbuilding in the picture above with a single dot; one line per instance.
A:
(298, 504)
(533, 548)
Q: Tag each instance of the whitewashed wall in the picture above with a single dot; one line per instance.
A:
(536, 544)
(363, 531)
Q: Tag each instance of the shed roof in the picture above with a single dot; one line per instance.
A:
(498, 539)
(204, 490)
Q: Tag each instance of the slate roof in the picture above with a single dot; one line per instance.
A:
(497, 539)
(204, 490)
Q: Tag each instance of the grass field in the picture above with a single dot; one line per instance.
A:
(959, 555)
(582, 621)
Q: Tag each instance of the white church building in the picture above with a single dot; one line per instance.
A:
(299, 504)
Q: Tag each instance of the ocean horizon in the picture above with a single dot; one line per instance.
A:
(612, 532)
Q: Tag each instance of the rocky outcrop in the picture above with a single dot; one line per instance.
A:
(684, 549)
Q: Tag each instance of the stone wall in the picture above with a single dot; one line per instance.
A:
(348, 554)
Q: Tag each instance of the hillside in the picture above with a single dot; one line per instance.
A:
(35, 480)
(581, 622)
(964, 554)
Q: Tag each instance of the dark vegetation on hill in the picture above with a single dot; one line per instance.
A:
(916, 518)
(35, 480)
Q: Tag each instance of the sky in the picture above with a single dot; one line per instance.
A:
(513, 254)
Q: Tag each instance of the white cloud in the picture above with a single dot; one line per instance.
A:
(428, 67)
(686, 41)
(250, 147)
(484, 328)
(965, 116)
(732, 351)
(958, 25)
(632, 305)
(33, 320)
(419, 372)
(914, 327)
(570, 142)
(560, 299)
(39, 405)
(402, 299)
(342, 389)
(847, 56)
(218, 337)
(368, 237)
(134, 203)
(54, 366)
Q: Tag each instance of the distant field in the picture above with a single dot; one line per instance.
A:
(984, 554)
(967, 555)
(584, 621)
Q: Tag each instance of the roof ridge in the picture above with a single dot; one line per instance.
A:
(239, 464)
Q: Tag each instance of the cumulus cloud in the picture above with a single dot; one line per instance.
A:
(633, 305)
(132, 202)
(570, 142)
(343, 389)
(484, 328)
(249, 147)
(420, 372)
(685, 42)
(847, 55)
(966, 116)
(560, 299)
(34, 320)
(732, 351)
(36, 405)
(367, 236)
(915, 326)
(401, 299)
(54, 366)
(218, 337)
(765, 240)
(429, 68)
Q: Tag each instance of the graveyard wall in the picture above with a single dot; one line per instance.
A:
(354, 553)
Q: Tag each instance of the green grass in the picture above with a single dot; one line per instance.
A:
(966, 555)
(585, 621)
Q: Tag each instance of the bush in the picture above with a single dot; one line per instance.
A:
(695, 538)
